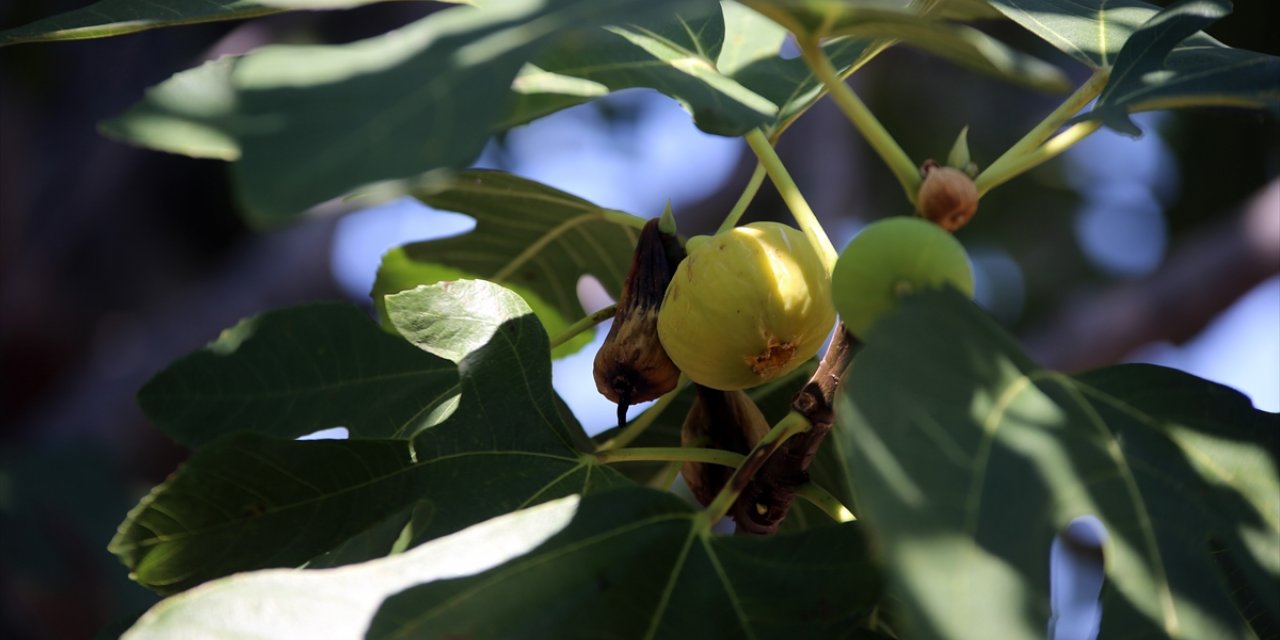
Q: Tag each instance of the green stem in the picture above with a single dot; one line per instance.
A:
(793, 198)
(794, 423)
(667, 477)
(823, 499)
(1027, 161)
(748, 194)
(907, 172)
(673, 454)
(1005, 167)
(642, 422)
(585, 323)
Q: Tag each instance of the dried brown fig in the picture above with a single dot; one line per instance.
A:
(947, 196)
(631, 365)
(728, 420)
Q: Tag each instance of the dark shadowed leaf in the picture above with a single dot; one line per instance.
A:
(390, 536)
(339, 603)
(639, 563)
(533, 239)
(1168, 63)
(312, 122)
(968, 459)
(118, 17)
(296, 371)
(248, 502)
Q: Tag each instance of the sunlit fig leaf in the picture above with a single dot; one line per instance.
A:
(917, 26)
(340, 603)
(1091, 31)
(295, 371)
(639, 563)
(531, 238)
(721, 64)
(118, 17)
(249, 502)
(967, 459)
(1169, 63)
(312, 122)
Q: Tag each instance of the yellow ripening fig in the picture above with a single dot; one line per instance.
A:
(747, 305)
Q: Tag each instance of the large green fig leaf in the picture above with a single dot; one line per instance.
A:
(1091, 31)
(1169, 63)
(967, 459)
(917, 25)
(531, 238)
(291, 372)
(721, 65)
(246, 502)
(674, 54)
(249, 502)
(118, 17)
(639, 563)
(311, 122)
(340, 603)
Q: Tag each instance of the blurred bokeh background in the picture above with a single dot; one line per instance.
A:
(115, 260)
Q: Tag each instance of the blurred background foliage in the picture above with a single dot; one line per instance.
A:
(115, 261)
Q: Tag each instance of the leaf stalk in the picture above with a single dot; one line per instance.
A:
(906, 171)
(792, 197)
(587, 322)
(1013, 161)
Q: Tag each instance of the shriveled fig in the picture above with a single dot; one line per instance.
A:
(728, 420)
(746, 306)
(631, 366)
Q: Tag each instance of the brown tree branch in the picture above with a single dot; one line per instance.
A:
(1199, 280)
(767, 498)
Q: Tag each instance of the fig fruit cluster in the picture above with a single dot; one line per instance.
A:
(750, 304)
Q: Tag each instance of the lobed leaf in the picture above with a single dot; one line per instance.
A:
(249, 502)
(339, 603)
(1168, 62)
(721, 65)
(639, 563)
(968, 459)
(106, 18)
(311, 122)
(531, 238)
(292, 372)
(1091, 31)
(923, 26)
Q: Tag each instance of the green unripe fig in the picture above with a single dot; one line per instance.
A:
(747, 305)
(891, 258)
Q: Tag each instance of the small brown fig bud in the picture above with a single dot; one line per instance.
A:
(947, 197)
(632, 366)
(728, 420)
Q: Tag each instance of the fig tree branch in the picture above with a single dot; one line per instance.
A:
(1198, 281)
